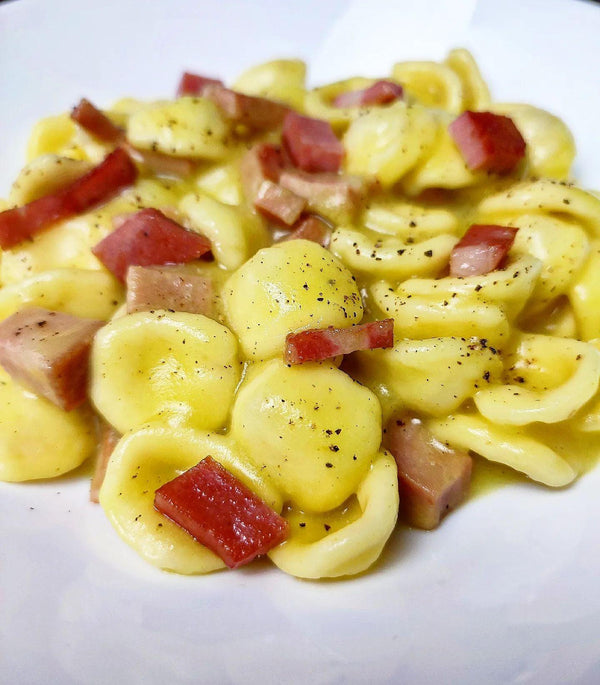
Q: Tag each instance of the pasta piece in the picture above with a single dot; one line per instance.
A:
(587, 419)
(433, 376)
(60, 135)
(387, 257)
(187, 127)
(434, 315)
(222, 182)
(548, 196)
(235, 234)
(432, 84)
(557, 319)
(510, 288)
(150, 457)
(358, 541)
(90, 294)
(556, 377)
(476, 95)
(561, 247)
(311, 428)
(291, 286)
(550, 146)
(386, 142)
(31, 427)
(180, 366)
(282, 80)
(584, 295)
(409, 222)
(507, 445)
(44, 176)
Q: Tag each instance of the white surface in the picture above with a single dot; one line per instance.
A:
(505, 592)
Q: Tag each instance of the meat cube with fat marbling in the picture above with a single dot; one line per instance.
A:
(432, 478)
(311, 228)
(380, 93)
(249, 110)
(488, 141)
(311, 143)
(168, 287)
(48, 352)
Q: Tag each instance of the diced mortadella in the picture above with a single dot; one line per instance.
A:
(483, 248)
(254, 112)
(107, 441)
(96, 122)
(263, 162)
(168, 287)
(149, 238)
(48, 352)
(380, 93)
(323, 343)
(432, 478)
(220, 512)
(116, 172)
(311, 228)
(279, 203)
(487, 141)
(325, 189)
(194, 84)
(260, 168)
(311, 143)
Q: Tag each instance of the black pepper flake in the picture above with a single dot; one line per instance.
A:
(329, 465)
(302, 524)
(327, 527)
(334, 448)
(428, 253)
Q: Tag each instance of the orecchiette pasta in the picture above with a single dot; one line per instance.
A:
(322, 231)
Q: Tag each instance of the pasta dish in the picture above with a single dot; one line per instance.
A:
(283, 318)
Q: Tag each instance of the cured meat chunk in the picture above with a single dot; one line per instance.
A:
(48, 352)
(149, 238)
(96, 122)
(311, 143)
(483, 248)
(380, 93)
(432, 478)
(107, 442)
(219, 511)
(103, 182)
(325, 191)
(194, 84)
(261, 163)
(156, 287)
(323, 343)
(311, 228)
(254, 112)
(279, 203)
(487, 141)
(260, 169)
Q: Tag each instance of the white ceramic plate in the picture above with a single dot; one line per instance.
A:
(505, 592)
